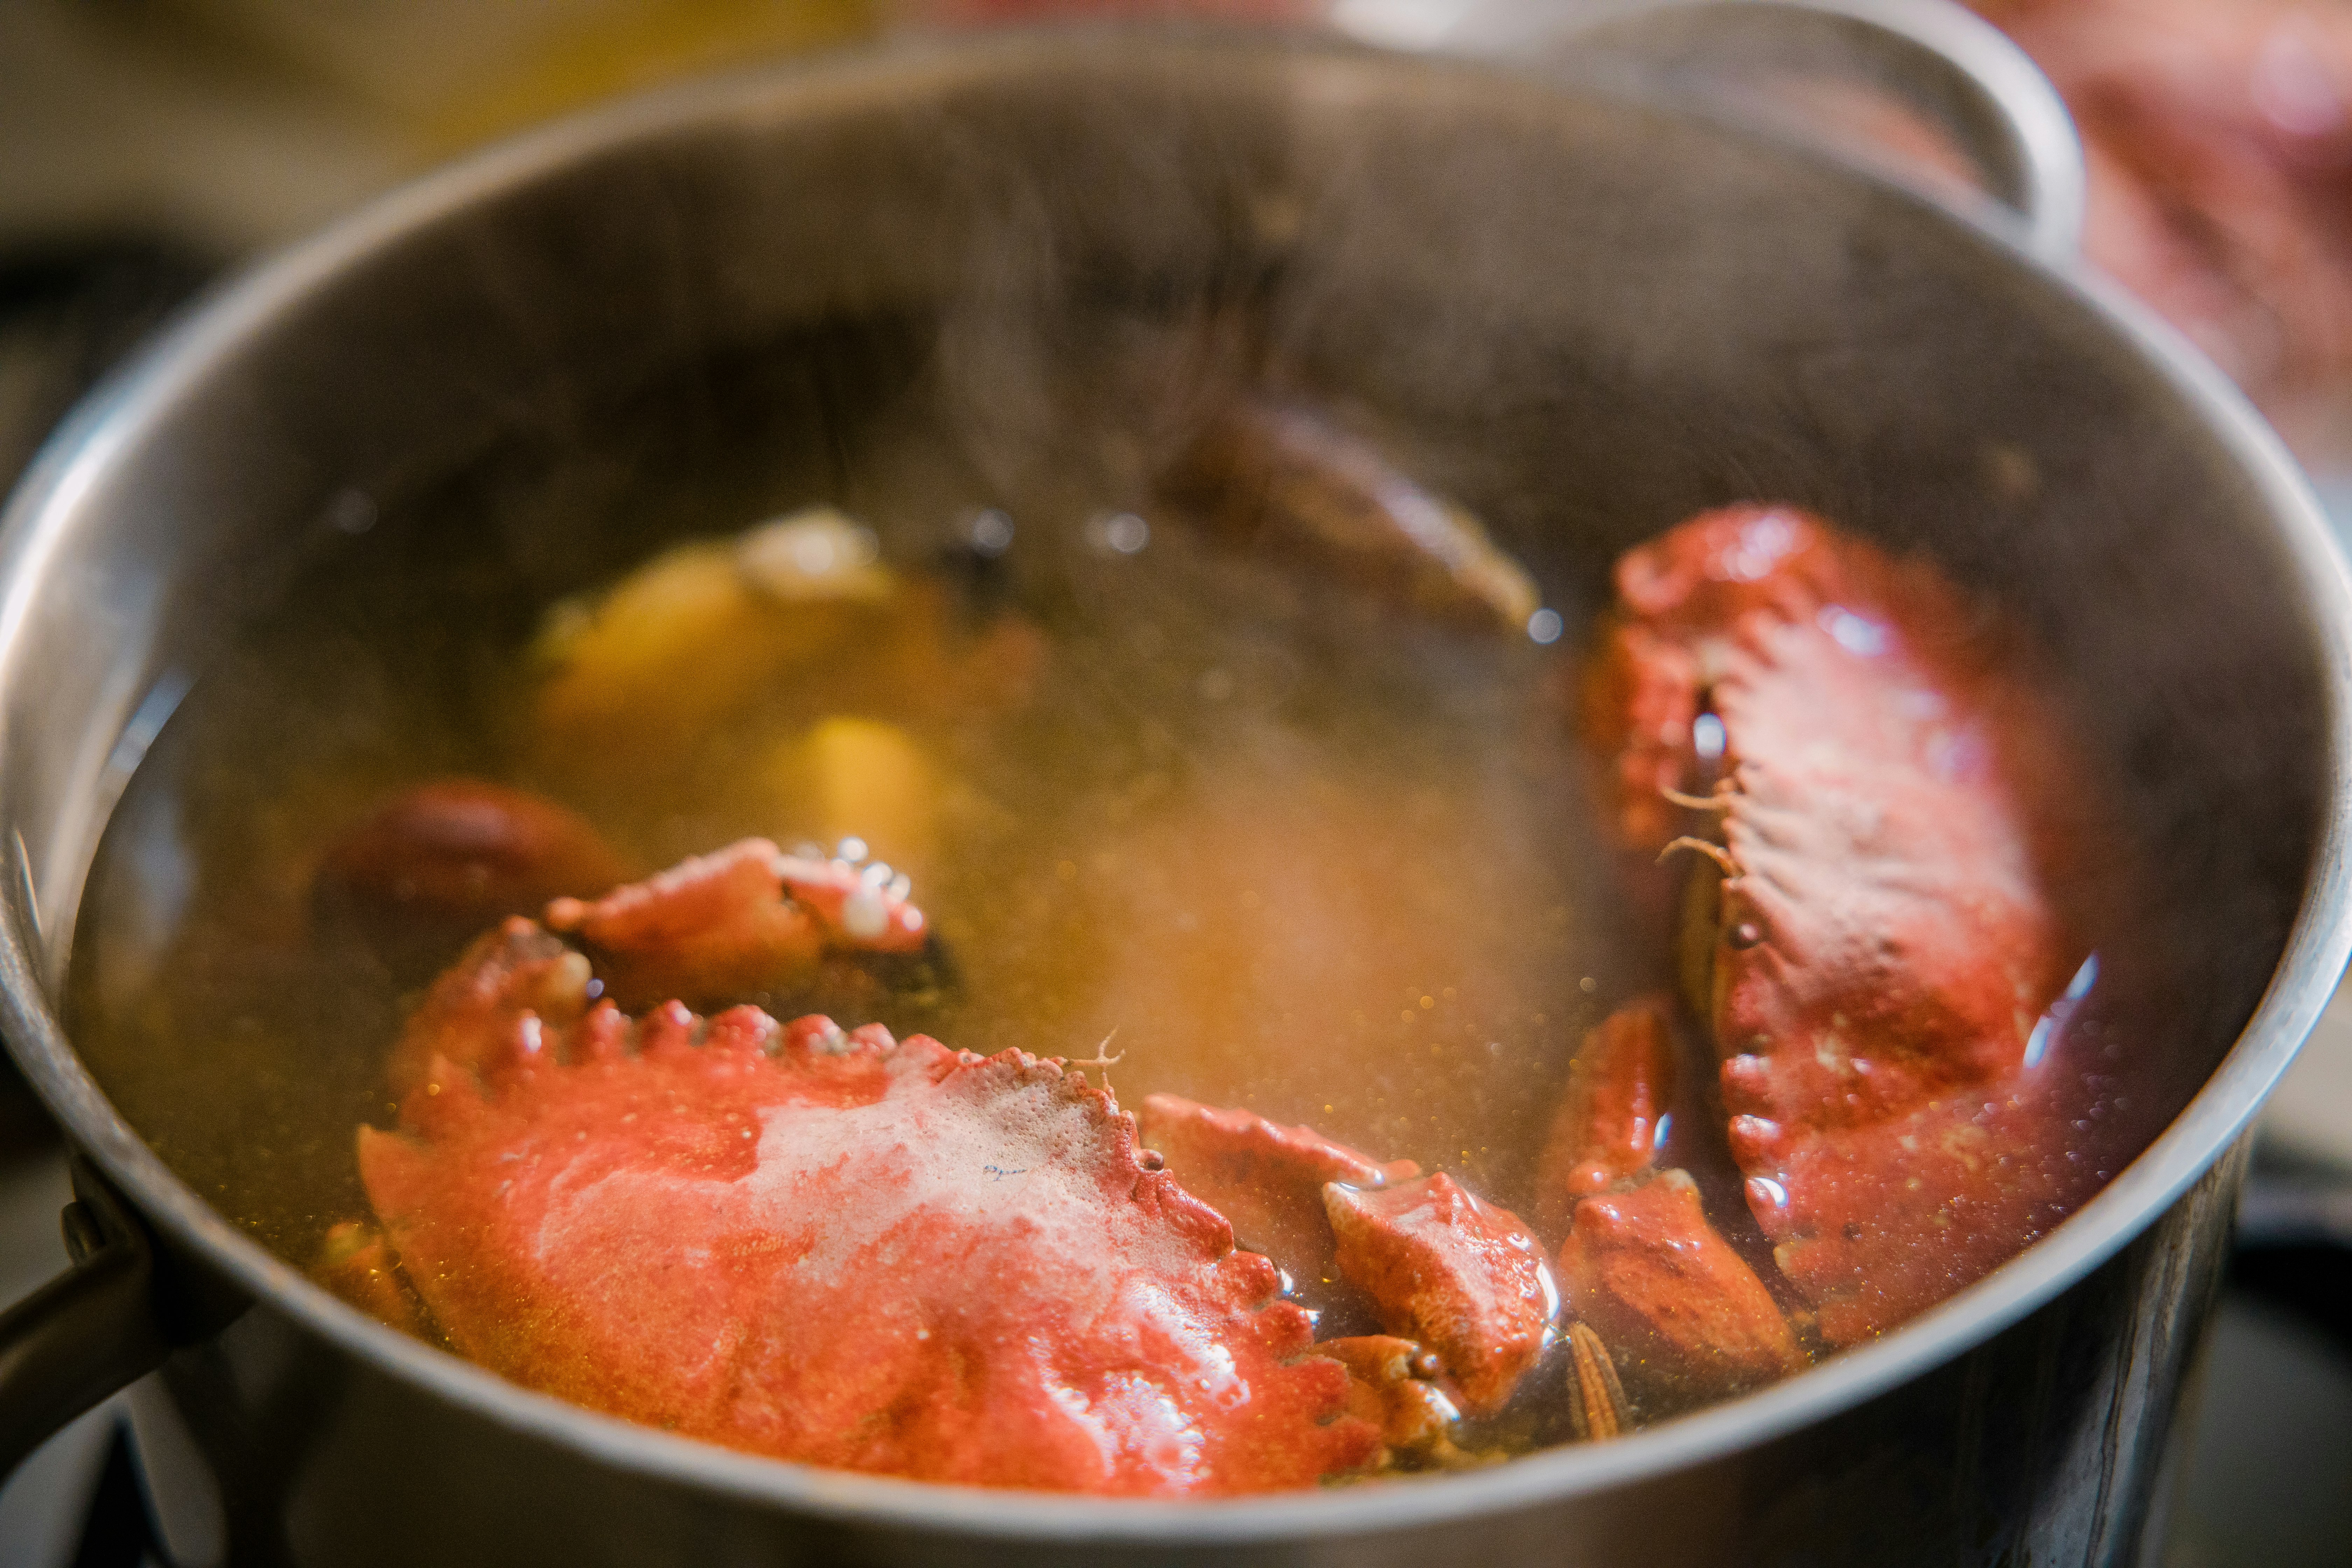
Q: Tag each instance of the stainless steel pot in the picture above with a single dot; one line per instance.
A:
(1622, 312)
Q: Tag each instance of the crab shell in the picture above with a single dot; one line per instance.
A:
(836, 1249)
(1894, 794)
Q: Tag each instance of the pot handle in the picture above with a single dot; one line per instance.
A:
(85, 1334)
(1959, 70)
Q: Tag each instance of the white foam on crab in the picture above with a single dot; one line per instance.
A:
(1011, 1175)
(988, 1217)
(866, 914)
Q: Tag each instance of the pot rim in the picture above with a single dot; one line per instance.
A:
(43, 511)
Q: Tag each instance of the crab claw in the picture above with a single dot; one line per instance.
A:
(742, 919)
(1461, 1277)
(440, 863)
(1647, 1271)
(1285, 477)
(861, 908)
(1266, 1178)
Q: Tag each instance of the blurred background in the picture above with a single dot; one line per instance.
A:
(149, 146)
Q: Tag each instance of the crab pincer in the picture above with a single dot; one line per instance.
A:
(1462, 1281)
(1266, 1178)
(1657, 1282)
(434, 865)
(1395, 1383)
(744, 919)
(1285, 475)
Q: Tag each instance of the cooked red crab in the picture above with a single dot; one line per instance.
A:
(828, 1247)
(844, 1250)
(1863, 751)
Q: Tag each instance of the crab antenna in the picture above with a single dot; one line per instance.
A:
(1715, 852)
(1101, 1061)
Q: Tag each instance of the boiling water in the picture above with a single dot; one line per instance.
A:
(1277, 844)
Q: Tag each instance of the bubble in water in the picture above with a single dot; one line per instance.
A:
(1126, 533)
(992, 532)
(1852, 632)
(1707, 737)
(351, 511)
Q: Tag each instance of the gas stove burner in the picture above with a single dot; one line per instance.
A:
(119, 1529)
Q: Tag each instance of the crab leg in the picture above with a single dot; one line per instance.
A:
(1280, 474)
(1640, 1262)
(1612, 1118)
